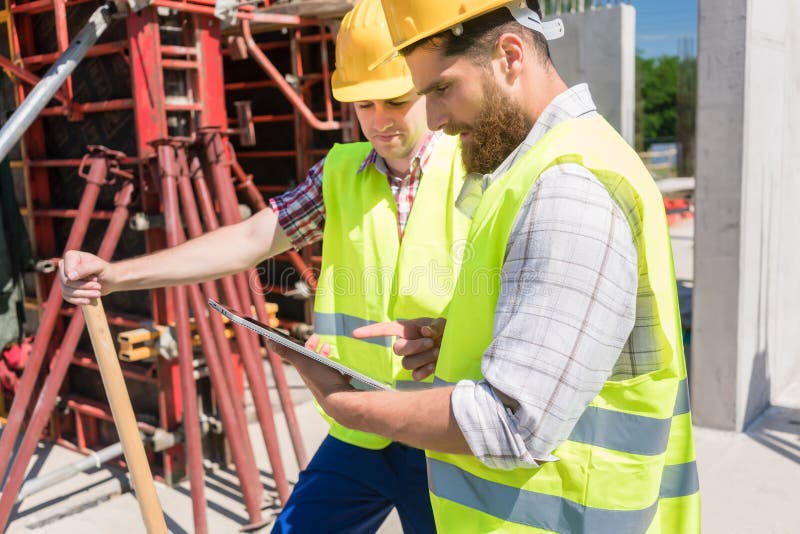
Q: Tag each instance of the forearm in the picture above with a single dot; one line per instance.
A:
(422, 419)
(225, 251)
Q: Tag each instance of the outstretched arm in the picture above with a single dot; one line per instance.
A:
(228, 250)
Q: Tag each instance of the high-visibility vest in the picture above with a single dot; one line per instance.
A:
(369, 275)
(629, 464)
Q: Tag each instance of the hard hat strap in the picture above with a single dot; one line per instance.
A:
(552, 29)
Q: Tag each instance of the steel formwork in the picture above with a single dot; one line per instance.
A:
(161, 75)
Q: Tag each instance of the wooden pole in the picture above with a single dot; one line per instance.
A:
(124, 419)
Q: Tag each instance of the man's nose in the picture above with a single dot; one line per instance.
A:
(383, 120)
(437, 118)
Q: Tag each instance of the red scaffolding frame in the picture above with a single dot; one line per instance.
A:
(152, 63)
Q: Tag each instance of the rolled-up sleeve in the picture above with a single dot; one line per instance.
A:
(566, 308)
(301, 211)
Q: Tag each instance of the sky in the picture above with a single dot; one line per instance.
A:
(663, 26)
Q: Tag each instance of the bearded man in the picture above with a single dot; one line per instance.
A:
(563, 403)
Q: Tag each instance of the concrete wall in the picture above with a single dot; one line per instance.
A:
(747, 262)
(599, 48)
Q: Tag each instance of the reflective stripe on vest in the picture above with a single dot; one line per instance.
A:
(636, 434)
(368, 275)
(548, 511)
(679, 480)
(340, 324)
(538, 510)
(632, 447)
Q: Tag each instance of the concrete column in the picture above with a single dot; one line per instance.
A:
(599, 48)
(747, 259)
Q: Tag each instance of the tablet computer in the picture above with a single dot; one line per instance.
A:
(357, 380)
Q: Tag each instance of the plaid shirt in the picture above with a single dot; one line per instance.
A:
(566, 319)
(301, 211)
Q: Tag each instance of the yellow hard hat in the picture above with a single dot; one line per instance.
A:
(363, 39)
(411, 21)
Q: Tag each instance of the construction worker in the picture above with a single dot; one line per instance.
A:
(382, 260)
(563, 405)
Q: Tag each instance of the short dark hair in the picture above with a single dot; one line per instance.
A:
(480, 35)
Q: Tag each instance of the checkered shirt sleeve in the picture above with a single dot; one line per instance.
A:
(301, 211)
(566, 308)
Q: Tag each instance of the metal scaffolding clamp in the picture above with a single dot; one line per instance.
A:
(225, 11)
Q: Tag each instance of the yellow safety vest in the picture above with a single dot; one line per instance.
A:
(368, 275)
(629, 464)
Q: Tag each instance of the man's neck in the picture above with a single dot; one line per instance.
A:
(398, 168)
(545, 86)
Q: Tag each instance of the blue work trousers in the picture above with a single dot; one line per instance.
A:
(350, 489)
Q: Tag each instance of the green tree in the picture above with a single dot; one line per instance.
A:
(657, 80)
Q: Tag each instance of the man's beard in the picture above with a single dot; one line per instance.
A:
(500, 126)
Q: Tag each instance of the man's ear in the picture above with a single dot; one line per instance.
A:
(511, 52)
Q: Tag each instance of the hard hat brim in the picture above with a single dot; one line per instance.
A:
(371, 90)
(446, 25)
(395, 51)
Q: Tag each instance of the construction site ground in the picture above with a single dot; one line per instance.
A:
(748, 481)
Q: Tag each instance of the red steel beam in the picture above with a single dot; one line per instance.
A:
(179, 64)
(34, 147)
(62, 40)
(211, 90)
(130, 371)
(272, 189)
(69, 214)
(208, 10)
(28, 77)
(88, 107)
(71, 162)
(40, 6)
(105, 49)
(99, 410)
(267, 154)
(147, 83)
(147, 80)
(175, 50)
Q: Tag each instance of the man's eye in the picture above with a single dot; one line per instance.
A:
(441, 89)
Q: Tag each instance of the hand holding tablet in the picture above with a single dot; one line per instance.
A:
(357, 380)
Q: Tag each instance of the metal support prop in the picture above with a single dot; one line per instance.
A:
(168, 170)
(159, 441)
(214, 151)
(51, 82)
(48, 397)
(233, 419)
(256, 375)
(95, 459)
(195, 227)
(247, 343)
(95, 179)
